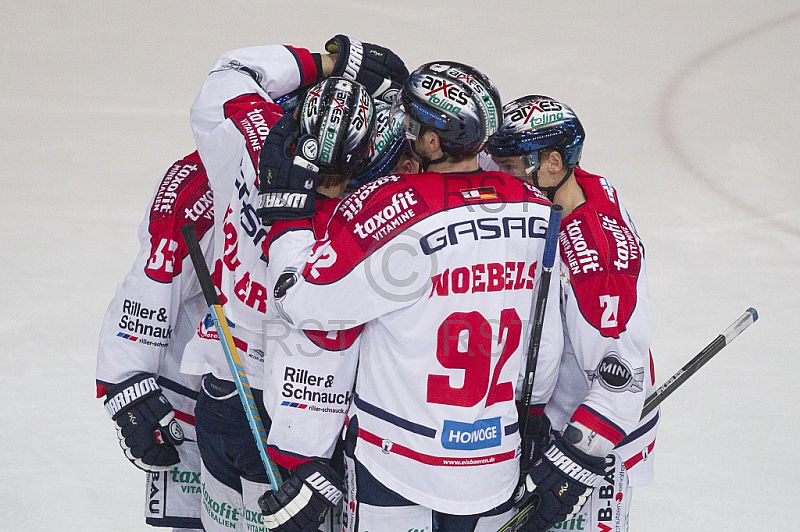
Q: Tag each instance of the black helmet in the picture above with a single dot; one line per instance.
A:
(461, 104)
(341, 114)
(533, 123)
(388, 143)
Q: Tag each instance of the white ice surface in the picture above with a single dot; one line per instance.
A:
(692, 111)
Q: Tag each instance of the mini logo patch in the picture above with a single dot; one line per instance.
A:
(616, 375)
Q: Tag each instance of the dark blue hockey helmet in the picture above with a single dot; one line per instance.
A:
(534, 123)
(388, 144)
(457, 101)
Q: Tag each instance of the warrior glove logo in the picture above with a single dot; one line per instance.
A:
(272, 200)
(323, 486)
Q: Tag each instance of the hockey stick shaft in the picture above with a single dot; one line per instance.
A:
(231, 353)
(548, 260)
(655, 399)
(691, 367)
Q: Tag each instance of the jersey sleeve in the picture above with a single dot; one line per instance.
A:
(139, 324)
(235, 104)
(368, 253)
(607, 313)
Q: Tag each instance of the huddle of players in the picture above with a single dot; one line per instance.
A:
(400, 312)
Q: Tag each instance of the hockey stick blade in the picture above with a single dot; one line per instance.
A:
(655, 399)
(231, 354)
(521, 517)
(691, 367)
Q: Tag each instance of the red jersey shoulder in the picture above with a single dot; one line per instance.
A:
(381, 209)
(603, 257)
(253, 116)
(488, 187)
(183, 196)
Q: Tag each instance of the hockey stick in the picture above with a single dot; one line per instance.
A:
(548, 260)
(231, 354)
(691, 367)
(655, 399)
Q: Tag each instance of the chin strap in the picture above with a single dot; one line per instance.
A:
(426, 162)
(550, 192)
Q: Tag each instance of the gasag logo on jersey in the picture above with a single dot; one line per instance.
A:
(483, 229)
(625, 252)
(482, 434)
(143, 321)
(388, 215)
(579, 250)
(615, 375)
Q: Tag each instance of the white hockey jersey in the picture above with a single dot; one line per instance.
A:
(230, 119)
(158, 305)
(310, 366)
(607, 369)
(443, 270)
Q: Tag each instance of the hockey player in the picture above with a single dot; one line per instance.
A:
(231, 116)
(306, 409)
(607, 369)
(441, 268)
(154, 313)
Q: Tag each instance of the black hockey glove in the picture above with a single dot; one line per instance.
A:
(286, 180)
(534, 441)
(563, 478)
(146, 426)
(379, 69)
(302, 501)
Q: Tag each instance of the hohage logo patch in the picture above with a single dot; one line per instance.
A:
(481, 434)
(615, 375)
